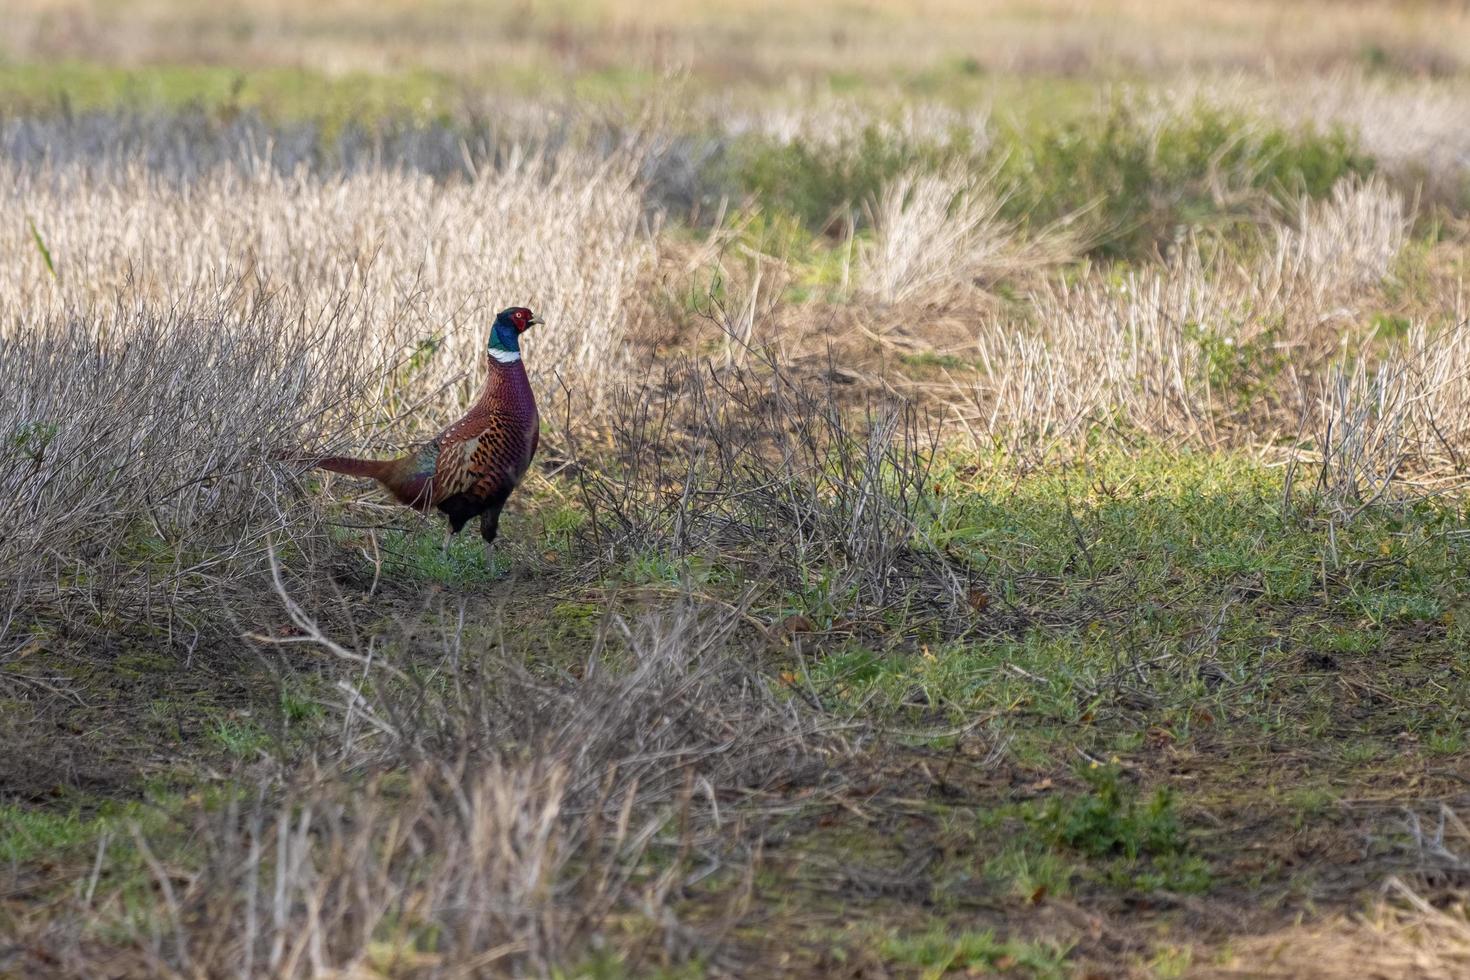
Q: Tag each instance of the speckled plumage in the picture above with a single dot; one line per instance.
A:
(470, 469)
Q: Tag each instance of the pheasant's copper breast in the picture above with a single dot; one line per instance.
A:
(484, 455)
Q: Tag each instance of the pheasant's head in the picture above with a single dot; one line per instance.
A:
(505, 336)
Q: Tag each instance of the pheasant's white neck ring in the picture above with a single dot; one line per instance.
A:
(505, 356)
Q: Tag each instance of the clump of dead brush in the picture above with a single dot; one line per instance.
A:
(475, 817)
(133, 457)
(1405, 419)
(781, 482)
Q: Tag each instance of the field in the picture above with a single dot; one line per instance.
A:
(1003, 501)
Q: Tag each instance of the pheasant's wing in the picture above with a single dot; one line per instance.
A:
(456, 470)
(483, 455)
(454, 450)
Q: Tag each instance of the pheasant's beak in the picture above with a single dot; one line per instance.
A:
(534, 320)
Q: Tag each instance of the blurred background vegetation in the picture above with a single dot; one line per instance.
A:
(433, 59)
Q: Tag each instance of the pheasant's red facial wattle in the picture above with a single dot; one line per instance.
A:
(505, 335)
(523, 319)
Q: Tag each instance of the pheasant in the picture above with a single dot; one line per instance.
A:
(470, 468)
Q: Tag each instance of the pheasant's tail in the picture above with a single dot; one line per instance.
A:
(375, 469)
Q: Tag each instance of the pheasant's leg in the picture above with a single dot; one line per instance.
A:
(448, 536)
(489, 527)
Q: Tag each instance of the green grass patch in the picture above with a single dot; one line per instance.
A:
(1136, 181)
(1031, 873)
(1129, 183)
(1172, 591)
(421, 554)
(932, 359)
(1143, 837)
(1110, 819)
(276, 94)
(238, 738)
(940, 951)
(28, 834)
(819, 181)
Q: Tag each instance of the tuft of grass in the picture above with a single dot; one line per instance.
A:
(1031, 873)
(421, 554)
(1110, 819)
(940, 951)
(1445, 742)
(299, 708)
(26, 834)
(239, 738)
(935, 234)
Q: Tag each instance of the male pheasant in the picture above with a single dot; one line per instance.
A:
(470, 468)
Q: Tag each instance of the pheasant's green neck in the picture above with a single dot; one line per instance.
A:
(505, 344)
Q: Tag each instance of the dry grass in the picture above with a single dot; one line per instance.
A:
(416, 264)
(833, 122)
(775, 476)
(1405, 937)
(1410, 410)
(758, 38)
(500, 824)
(1336, 248)
(1170, 350)
(933, 234)
(189, 332)
(183, 404)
